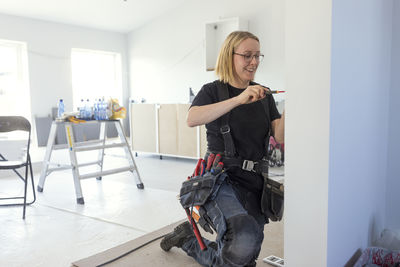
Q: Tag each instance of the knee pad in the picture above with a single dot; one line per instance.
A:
(242, 240)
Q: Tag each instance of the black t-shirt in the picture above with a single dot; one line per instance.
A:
(249, 129)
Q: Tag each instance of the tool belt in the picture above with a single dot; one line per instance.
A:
(273, 192)
(197, 190)
(272, 198)
(202, 186)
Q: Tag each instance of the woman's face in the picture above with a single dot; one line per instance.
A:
(245, 64)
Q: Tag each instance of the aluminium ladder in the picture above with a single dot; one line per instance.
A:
(74, 147)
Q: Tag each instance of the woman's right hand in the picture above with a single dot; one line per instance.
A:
(251, 94)
(199, 115)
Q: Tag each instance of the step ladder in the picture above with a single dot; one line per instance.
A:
(74, 147)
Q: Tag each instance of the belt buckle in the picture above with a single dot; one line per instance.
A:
(248, 165)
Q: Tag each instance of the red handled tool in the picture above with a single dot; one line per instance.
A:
(202, 167)
(210, 161)
(216, 160)
(218, 168)
(198, 168)
(196, 230)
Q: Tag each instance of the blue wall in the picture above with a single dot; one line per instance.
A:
(393, 184)
(360, 87)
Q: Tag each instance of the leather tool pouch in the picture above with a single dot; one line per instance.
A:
(272, 199)
(197, 190)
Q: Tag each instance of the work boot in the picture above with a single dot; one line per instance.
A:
(178, 237)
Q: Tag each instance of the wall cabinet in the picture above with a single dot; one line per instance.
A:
(216, 33)
(161, 129)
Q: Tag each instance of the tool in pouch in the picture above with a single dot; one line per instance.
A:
(197, 189)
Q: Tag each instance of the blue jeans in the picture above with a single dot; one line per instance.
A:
(239, 235)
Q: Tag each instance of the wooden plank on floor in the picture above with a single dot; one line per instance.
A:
(153, 256)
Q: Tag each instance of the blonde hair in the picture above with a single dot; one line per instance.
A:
(224, 67)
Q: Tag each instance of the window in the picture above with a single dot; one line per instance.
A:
(14, 85)
(95, 74)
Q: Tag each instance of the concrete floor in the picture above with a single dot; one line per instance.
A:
(58, 231)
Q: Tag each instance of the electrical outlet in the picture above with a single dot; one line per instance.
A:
(274, 260)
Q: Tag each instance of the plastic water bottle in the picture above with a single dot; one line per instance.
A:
(104, 109)
(88, 110)
(96, 110)
(85, 108)
(60, 108)
(81, 109)
(101, 110)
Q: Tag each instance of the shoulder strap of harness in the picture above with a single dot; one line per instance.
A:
(223, 94)
(265, 106)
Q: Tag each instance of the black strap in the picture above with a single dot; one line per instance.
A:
(265, 106)
(223, 94)
(260, 166)
(230, 152)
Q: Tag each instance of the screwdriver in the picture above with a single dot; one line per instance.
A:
(270, 92)
(274, 91)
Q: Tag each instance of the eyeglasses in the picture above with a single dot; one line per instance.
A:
(249, 57)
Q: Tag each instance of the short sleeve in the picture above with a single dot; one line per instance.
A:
(273, 111)
(207, 95)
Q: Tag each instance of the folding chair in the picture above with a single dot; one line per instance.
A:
(11, 124)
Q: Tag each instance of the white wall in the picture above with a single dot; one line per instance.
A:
(308, 30)
(167, 56)
(49, 56)
(393, 144)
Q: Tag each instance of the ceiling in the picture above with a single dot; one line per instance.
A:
(111, 15)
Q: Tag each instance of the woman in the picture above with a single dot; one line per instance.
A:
(236, 210)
